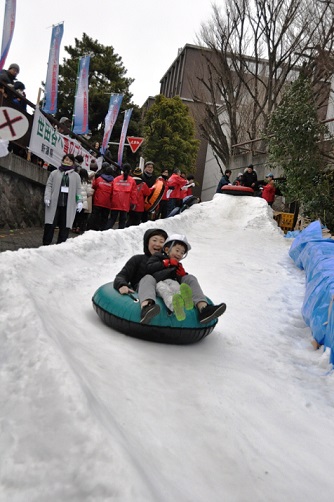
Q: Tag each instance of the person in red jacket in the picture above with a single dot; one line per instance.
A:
(269, 190)
(137, 210)
(174, 194)
(123, 195)
(101, 200)
(188, 187)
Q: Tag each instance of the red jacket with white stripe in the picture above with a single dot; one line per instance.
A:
(176, 182)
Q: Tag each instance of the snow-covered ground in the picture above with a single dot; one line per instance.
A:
(89, 414)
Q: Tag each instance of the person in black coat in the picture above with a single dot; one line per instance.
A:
(148, 174)
(250, 177)
(133, 276)
(9, 76)
(150, 178)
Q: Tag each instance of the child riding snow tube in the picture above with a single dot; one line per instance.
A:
(122, 313)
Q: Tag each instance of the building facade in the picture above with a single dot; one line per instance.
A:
(181, 79)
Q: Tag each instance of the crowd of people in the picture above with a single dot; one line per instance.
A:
(249, 179)
(109, 196)
(98, 199)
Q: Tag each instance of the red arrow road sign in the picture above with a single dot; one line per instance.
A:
(134, 143)
(13, 124)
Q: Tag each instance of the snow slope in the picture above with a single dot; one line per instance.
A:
(88, 414)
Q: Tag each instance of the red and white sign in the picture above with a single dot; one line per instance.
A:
(134, 143)
(13, 124)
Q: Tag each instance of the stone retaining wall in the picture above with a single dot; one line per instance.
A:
(22, 186)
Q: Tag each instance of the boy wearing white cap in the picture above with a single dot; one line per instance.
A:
(178, 289)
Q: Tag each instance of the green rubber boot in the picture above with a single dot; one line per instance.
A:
(187, 296)
(178, 305)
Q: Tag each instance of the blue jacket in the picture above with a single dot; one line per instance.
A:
(224, 181)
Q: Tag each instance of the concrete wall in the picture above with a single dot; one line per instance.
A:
(22, 186)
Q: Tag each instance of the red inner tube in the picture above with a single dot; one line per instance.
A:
(237, 190)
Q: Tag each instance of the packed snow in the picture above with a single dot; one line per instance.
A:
(89, 414)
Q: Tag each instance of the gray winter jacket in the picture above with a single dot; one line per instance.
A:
(52, 191)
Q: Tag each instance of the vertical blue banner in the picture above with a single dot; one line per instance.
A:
(51, 85)
(127, 117)
(110, 119)
(8, 30)
(81, 98)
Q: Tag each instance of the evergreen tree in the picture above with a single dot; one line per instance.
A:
(296, 146)
(106, 75)
(169, 133)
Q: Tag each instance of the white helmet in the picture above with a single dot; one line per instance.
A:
(178, 238)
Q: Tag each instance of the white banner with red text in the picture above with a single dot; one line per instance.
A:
(48, 144)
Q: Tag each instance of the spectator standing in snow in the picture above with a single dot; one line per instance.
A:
(148, 174)
(268, 192)
(250, 177)
(62, 199)
(101, 200)
(174, 194)
(162, 208)
(188, 188)
(123, 195)
(78, 161)
(80, 222)
(149, 178)
(137, 210)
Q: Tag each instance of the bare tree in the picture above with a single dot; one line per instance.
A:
(256, 47)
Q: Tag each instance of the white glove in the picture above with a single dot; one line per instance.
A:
(47, 202)
(185, 187)
(79, 207)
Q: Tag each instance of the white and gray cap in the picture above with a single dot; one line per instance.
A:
(177, 238)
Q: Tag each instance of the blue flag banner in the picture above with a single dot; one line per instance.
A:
(81, 98)
(8, 30)
(51, 85)
(110, 119)
(127, 117)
